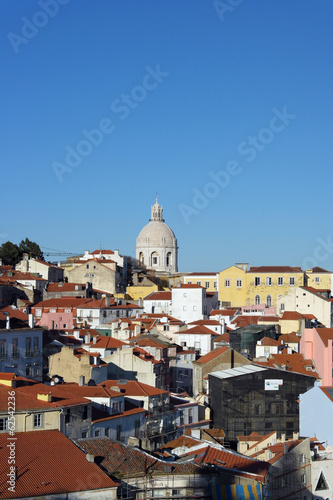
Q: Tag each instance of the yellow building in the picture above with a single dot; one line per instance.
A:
(318, 278)
(207, 280)
(266, 283)
(232, 286)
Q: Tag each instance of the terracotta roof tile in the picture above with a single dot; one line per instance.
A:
(212, 355)
(40, 468)
(275, 269)
(134, 388)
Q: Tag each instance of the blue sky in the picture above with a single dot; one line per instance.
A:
(180, 92)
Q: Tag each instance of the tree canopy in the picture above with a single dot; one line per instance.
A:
(11, 254)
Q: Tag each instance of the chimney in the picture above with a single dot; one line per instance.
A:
(77, 334)
(31, 321)
(283, 438)
(81, 380)
(295, 436)
(7, 323)
(90, 458)
(94, 339)
(107, 301)
(87, 338)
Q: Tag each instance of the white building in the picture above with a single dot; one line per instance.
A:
(157, 303)
(192, 302)
(156, 245)
(307, 300)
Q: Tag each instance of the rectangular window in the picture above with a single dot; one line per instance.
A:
(239, 283)
(87, 266)
(207, 284)
(227, 282)
(107, 432)
(280, 280)
(268, 281)
(215, 284)
(38, 312)
(38, 420)
(28, 370)
(28, 346)
(97, 433)
(317, 279)
(184, 308)
(194, 308)
(291, 281)
(189, 282)
(15, 349)
(85, 413)
(67, 416)
(119, 432)
(84, 434)
(199, 283)
(190, 416)
(3, 424)
(137, 428)
(2, 348)
(257, 281)
(36, 346)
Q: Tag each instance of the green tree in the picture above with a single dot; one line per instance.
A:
(9, 253)
(31, 248)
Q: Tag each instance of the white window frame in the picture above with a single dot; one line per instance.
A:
(227, 282)
(38, 420)
(280, 281)
(257, 281)
(291, 280)
(239, 283)
(268, 281)
(256, 301)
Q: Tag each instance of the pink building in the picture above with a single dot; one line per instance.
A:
(57, 314)
(316, 344)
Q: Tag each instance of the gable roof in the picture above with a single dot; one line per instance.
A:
(134, 388)
(212, 355)
(275, 269)
(41, 469)
(159, 296)
(197, 330)
(325, 335)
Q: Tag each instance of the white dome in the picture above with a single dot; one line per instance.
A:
(156, 234)
(156, 245)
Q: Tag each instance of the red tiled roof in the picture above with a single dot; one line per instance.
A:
(104, 342)
(292, 315)
(135, 388)
(291, 338)
(159, 296)
(13, 313)
(197, 330)
(223, 312)
(204, 322)
(275, 269)
(241, 321)
(254, 436)
(124, 414)
(186, 285)
(61, 302)
(98, 252)
(325, 335)
(41, 469)
(270, 319)
(200, 274)
(267, 341)
(317, 270)
(240, 464)
(292, 362)
(186, 441)
(65, 287)
(212, 355)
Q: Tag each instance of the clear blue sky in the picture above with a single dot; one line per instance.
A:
(181, 92)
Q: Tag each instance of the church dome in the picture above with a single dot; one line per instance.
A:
(156, 233)
(156, 245)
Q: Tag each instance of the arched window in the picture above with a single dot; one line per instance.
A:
(257, 300)
(269, 301)
(169, 259)
(154, 259)
(141, 258)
